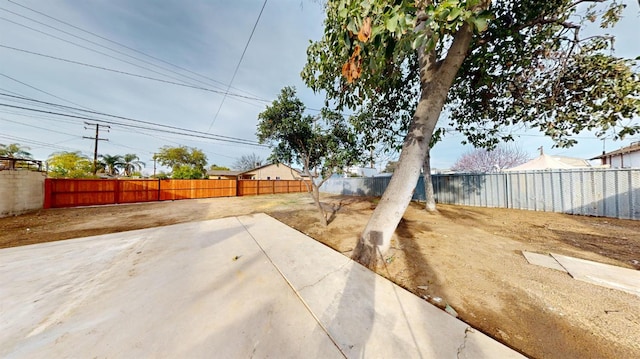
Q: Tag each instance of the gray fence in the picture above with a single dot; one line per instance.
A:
(594, 192)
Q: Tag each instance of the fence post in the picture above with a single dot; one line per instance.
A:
(116, 191)
(159, 184)
(48, 189)
(506, 190)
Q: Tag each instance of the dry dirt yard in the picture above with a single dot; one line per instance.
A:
(467, 257)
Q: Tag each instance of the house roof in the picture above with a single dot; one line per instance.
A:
(634, 147)
(546, 162)
(267, 165)
(223, 173)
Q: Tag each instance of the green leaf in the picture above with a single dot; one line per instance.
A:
(392, 23)
(455, 12)
(351, 26)
(480, 23)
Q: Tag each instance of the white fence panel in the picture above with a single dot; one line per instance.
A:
(592, 192)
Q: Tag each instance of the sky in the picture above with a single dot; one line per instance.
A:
(167, 64)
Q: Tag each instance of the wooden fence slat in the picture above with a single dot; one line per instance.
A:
(88, 192)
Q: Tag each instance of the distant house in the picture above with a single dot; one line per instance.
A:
(360, 171)
(626, 157)
(266, 172)
(218, 174)
(547, 162)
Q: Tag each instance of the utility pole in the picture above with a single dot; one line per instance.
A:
(154, 165)
(97, 138)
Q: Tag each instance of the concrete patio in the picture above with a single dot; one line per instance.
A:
(236, 287)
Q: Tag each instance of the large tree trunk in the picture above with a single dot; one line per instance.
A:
(436, 79)
(430, 200)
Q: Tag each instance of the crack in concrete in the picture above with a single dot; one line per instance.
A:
(464, 341)
(324, 276)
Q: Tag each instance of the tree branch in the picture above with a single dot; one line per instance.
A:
(582, 1)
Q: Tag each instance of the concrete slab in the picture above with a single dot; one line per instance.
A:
(228, 288)
(365, 314)
(605, 275)
(171, 291)
(543, 260)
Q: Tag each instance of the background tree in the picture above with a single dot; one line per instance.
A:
(492, 65)
(178, 158)
(131, 163)
(69, 165)
(186, 172)
(215, 167)
(15, 150)
(111, 164)
(247, 162)
(323, 145)
(390, 167)
(482, 160)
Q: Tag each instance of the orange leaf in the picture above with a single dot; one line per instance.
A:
(352, 69)
(365, 30)
(345, 71)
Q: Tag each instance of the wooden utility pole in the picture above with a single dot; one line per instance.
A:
(97, 138)
(154, 165)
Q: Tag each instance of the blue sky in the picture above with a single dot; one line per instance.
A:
(204, 37)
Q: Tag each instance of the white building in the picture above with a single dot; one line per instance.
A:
(626, 157)
(360, 171)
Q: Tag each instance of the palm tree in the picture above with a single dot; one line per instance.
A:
(131, 163)
(14, 150)
(112, 164)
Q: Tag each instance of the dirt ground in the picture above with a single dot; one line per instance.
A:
(467, 257)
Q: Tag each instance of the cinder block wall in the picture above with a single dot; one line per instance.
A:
(21, 191)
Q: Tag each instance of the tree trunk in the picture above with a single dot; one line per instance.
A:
(315, 193)
(430, 200)
(436, 79)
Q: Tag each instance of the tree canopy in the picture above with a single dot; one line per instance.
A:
(525, 64)
(185, 162)
(111, 164)
(131, 163)
(247, 162)
(322, 145)
(482, 160)
(492, 65)
(15, 150)
(69, 165)
(215, 167)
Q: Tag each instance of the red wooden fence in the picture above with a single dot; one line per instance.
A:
(258, 187)
(89, 192)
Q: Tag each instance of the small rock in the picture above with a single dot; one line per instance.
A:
(451, 311)
(437, 299)
(423, 287)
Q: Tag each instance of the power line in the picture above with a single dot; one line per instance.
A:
(133, 120)
(43, 91)
(39, 143)
(94, 50)
(235, 72)
(193, 134)
(37, 127)
(129, 73)
(124, 46)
